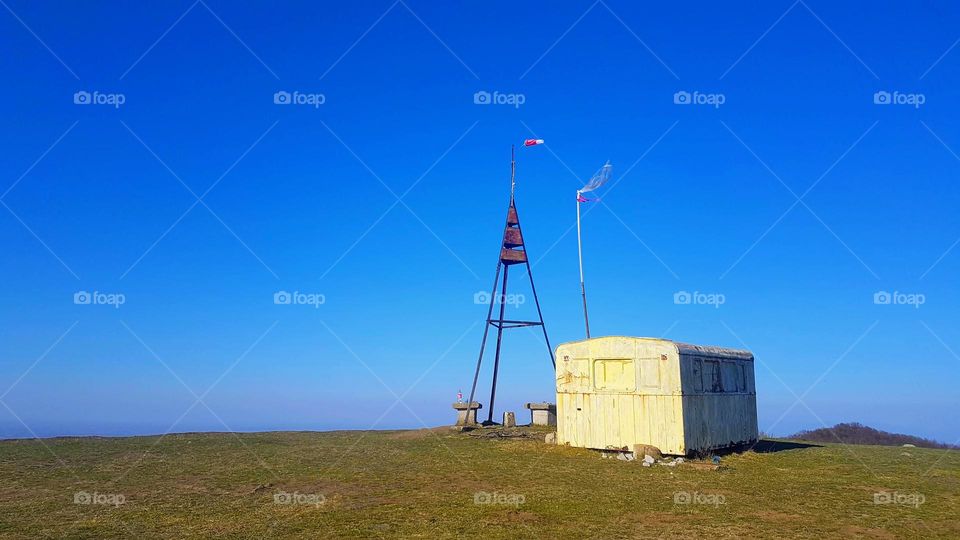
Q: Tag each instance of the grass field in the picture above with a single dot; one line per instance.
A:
(441, 484)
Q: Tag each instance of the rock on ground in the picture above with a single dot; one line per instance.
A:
(647, 450)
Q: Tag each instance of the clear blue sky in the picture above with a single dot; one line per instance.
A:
(303, 198)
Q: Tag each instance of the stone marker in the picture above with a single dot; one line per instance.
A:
(542, 414)
(551, 438)
(509, 419)
(467, 413)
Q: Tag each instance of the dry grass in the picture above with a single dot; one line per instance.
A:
(423, 484)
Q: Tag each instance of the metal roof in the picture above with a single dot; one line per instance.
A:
(689, 349)
(708, 350)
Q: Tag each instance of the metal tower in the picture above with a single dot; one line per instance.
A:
(512, 251)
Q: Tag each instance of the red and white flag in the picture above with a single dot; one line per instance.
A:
(532, 142)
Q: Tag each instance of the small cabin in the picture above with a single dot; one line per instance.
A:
(615, 392)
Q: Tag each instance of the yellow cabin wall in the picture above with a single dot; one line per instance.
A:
(600, 406)
(595, 418)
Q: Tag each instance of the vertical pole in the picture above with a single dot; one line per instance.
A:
(513, 173)
(583, 290)
(496, 358)
(483, 343)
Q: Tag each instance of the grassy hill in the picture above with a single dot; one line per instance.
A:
(441, 484)
(854, 433)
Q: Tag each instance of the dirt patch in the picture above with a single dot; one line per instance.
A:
(519, 516)
(700, 465)
(874, 489)
(325, 492)
(652, 519)
(772, 516)
(420, 433)
(864, 532)
(508, 433)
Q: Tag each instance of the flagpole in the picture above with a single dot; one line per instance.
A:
(583, 290)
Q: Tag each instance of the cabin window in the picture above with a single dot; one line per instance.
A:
(697, 367)
(617, 374)
(711, 376)
(743, 377)
(731, 377)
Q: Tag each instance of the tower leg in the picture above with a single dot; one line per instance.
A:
(536, 300)
(540, 314)
(496, 358)
(486, 330)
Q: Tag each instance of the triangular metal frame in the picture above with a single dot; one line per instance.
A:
(512, 251)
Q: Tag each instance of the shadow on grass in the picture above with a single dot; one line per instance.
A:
(766, 446)
(763, 446)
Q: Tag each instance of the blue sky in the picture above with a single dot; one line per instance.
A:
(797, 199)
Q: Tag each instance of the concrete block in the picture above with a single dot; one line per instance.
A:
(467, 413)
(542, 414)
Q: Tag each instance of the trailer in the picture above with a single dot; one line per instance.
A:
(615, 392)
